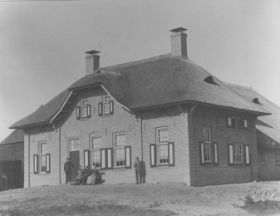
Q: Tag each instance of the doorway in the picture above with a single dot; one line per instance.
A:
(75, 159)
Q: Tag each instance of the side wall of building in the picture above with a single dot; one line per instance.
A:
(223, 172)
(268, 158)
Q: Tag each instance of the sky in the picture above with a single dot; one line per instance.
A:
(42, 43)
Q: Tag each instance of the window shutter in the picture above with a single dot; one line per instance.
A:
(103, 158)
(88, 110)
(171, 154)
(111, 107)
(109, 158)
(247, 155)
(128, 157)
(78, 112)
(229, 122)
(245, 123)
(202, 153)
(216, 153)
(100, 109)
(230, 154)
(86, 159)
(153, 153)
(35, 163)
(48, 158)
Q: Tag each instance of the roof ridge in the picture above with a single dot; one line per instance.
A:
(140, 61)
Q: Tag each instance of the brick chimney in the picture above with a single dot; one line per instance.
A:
(179, 42)
(92, 61)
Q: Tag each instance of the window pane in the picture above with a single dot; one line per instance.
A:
(206, 135)
(120, 156)
(96, 142)
(106, 108)
(43, 163)
(96, 158)
(120, 139)
(207, 152)
(162, 135)
(163, 153)
(43, 148)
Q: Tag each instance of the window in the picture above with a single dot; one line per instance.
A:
(122, 151)
(208, 150)
(42, 160)
(84, 110)
(277, 158)
(96, 144)
(239, 154)
(162, 153)
(74, 144)
(120, 143)
(106, 107)
(232, 122)
(245, 123)
(43, 157)
(205, 149)
(162, 145)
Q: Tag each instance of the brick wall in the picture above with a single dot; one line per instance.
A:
(215, 119)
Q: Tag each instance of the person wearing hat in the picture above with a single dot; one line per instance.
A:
(68, 166)
(137, 170)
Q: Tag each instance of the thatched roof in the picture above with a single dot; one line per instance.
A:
(268, 125)
(154, 82)
(17, 136)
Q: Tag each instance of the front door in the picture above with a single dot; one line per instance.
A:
(75, 159)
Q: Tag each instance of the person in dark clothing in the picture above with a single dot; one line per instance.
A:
(86, 174)
(137, 169)
(68, 166)
(142, 172)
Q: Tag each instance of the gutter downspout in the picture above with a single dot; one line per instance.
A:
(59, 153)
(141, 137)
(28, 149)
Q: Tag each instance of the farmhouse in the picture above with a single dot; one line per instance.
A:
(187, 125)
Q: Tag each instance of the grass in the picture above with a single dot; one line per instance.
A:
(82, 209)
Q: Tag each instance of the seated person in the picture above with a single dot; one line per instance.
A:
(78, 178)
(86, 174)
(92, 178)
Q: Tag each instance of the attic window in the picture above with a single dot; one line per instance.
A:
(210, 80)
(256, 101)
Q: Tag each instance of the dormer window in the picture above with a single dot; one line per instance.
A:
(83, 110)
(256, 101)
(210, 80)
(106, 107)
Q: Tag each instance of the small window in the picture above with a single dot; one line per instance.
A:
(84, 110)
(232, 122)
(74, 144)
(106, 107)
(239, 154)
(162, 145)
(245, 123)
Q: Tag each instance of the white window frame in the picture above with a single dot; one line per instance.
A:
(119, 147)
(42, 156)
(238, 153)
(162, 143)
(84, 111)
(206, 131)
(76, 146)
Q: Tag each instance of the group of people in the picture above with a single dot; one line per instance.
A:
(140, 171)
(89, 176)
(84, 176)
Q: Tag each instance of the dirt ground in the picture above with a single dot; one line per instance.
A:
(257, 198)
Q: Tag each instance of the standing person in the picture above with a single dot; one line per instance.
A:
(142, 172)
(68, 166)
(137, 169)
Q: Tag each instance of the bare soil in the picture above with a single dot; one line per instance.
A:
(257, 198)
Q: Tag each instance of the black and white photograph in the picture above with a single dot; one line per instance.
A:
(140, 107)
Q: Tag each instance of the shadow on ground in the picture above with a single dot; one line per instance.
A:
(81, 209)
